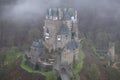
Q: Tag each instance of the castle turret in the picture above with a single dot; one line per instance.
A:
(75, 15)
(50, 13)
(55, 13)
(60, 13)
(47, 15)
(111, 52)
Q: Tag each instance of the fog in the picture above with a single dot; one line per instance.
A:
(103, 8)
(25, 10)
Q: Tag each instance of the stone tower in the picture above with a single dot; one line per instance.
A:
(60, 27)
(111, 52)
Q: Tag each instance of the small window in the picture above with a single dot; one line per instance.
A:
(73, 35)
(59, 38)
(66, 36)
(47, 30)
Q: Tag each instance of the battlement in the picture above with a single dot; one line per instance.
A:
(61, 14)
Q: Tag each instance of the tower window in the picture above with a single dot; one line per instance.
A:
(47, 30)
(59, 38)
(73, 35)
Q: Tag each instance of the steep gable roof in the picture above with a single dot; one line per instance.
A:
(71, 12)
(38, 45)
(55, 12)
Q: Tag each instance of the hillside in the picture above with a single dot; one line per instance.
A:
(10, 61)
(95, 68)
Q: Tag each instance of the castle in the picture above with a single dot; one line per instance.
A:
(111, 53)
(60, 33)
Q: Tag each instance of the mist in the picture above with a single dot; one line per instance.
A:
(27, 10)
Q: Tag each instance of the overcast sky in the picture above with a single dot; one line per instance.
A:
(24, 10)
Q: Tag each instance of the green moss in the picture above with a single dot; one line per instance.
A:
(25, 66)
(80, 63)
(79, 66)
(12, 55)
(93, 49)
(101, 57)
(49, 75)
(93, 72)
(76, 77)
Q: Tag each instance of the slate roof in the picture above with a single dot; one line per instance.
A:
(64, 30)
(66, 16)
(42, 55)
(54, 12)
(68, 13)
(72, 45)
(71, 12)
(38, 45)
